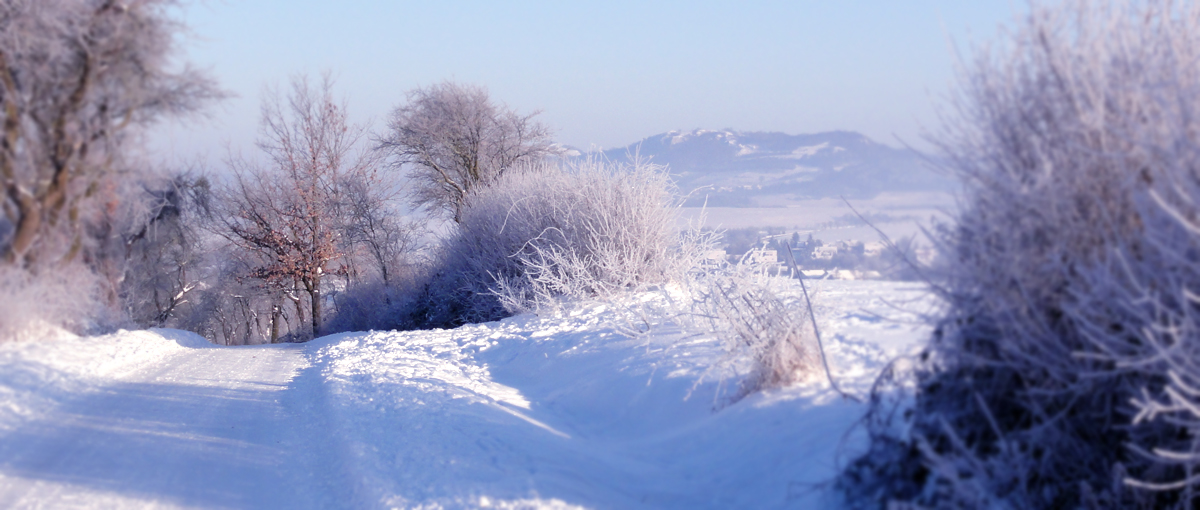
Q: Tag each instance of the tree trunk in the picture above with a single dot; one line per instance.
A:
(314, 292)
(27, 226)
(276, 311)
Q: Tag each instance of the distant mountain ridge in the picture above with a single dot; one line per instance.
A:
(758, 169)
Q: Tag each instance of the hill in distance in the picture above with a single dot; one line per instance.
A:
(761, 169)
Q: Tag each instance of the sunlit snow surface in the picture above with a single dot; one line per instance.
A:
(556, 411)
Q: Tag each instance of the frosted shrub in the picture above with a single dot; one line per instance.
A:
(35, 306)
(549, 231)
(743, 306)
(1064, 371)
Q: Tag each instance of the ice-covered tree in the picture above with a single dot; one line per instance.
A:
(77, 79)
(290, 213)
(162, 248)
(454, 139)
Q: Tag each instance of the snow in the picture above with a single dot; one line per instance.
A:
(63, 363)
(804, 152)
(899, 214)
(561, 410)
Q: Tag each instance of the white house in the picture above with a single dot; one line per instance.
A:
(825, 252)
(762, 256)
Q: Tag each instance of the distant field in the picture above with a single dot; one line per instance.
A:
(829, 219)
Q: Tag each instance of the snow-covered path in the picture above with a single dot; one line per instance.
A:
(559, 411)
(202, 428)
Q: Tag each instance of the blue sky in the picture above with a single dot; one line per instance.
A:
(603, 73)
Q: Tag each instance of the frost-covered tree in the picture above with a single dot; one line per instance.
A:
(379, 240)
(77, 78)
(454, 140)
(290, 213)
(162, 248)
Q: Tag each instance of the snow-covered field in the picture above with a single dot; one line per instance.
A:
(897, 213)
(553, 411)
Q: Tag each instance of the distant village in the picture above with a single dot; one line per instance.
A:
(840, 260)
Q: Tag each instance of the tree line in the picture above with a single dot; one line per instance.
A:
(265, 249)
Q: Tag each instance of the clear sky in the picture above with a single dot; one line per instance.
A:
(603, 73)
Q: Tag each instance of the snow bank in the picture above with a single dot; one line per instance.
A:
(36, 375)
(554, 411)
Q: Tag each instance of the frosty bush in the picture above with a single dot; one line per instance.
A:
(35, 306)
(1063, 373)
(743, 305)
(383, 297)
(548, 231)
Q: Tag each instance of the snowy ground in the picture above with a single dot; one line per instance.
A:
(558, 411)
(898, 214)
